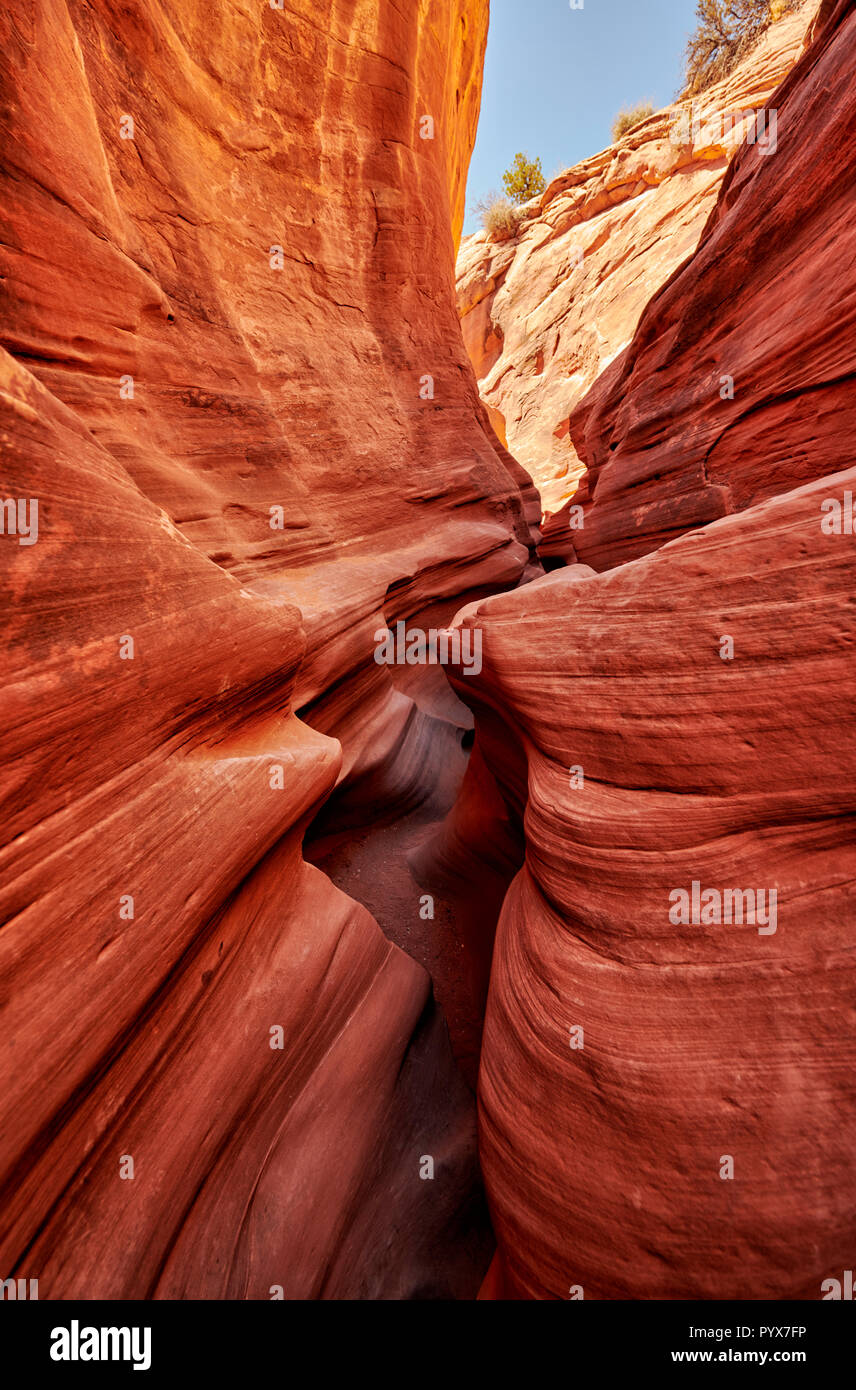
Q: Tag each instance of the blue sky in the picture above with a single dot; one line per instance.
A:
(555, 78)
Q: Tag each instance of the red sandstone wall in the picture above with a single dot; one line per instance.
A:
(181, 777)
(708, 1042)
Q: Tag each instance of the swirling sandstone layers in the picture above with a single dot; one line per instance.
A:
(606, 1153)
(226, 308)
(545, 312)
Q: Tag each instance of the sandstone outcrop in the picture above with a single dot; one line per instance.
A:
(232, 378)
(232, 381)
(667, 1096)
(544, 313)
(688, 424)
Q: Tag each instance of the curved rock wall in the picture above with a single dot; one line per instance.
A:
(227, 277)
(667, 1093)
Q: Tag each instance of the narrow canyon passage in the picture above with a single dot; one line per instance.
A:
(372, 864)
(433, 880)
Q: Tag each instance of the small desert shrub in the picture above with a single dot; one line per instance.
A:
(524, 179)
(628, 117)
(725, 31)
(498, 217)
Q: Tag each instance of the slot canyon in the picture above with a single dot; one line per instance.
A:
(362, 980)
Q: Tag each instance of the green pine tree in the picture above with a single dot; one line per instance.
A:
(524, 179)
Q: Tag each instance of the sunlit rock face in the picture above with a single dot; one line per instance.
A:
(738, 385)
(667, 1090)
(233, 380)
(545, 312)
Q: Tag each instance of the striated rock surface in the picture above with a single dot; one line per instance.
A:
(546, 311)
(687, 425)
(668, 1098)
(231, 376)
